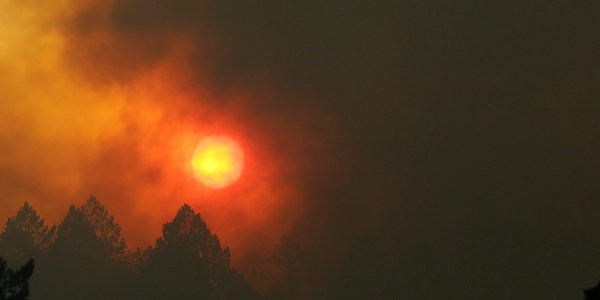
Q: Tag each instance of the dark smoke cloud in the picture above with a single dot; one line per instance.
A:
(462, 136)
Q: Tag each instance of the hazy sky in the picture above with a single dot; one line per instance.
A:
(462, 135)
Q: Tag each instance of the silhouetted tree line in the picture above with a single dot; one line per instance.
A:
(86, 258)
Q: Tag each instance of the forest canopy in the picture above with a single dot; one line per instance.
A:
(86, 258)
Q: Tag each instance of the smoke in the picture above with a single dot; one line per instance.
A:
(110, 99)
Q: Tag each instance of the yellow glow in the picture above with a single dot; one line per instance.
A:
(217, 161)
(49, 118)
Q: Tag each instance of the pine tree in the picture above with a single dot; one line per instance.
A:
(284, 270)
(105, 227)
(14, 285)
(188, 262)
(76, 266)
(25, 236)
(188, 230)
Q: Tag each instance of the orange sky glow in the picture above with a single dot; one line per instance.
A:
(71, 127)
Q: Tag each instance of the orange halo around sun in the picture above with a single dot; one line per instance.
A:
(218, 161)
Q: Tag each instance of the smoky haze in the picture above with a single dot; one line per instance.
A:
(462, 137)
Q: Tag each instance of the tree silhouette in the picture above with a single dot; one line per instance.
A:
(134, 260)
(284, 270)
(77, 265)
(593, 293)
(14, 285)
(85, 258)
(188, 231)
(105, 227)
(25, 236)
(188, 262)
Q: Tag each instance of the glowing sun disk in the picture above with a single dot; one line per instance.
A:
(217, 161)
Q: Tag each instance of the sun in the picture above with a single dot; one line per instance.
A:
(218, 161)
